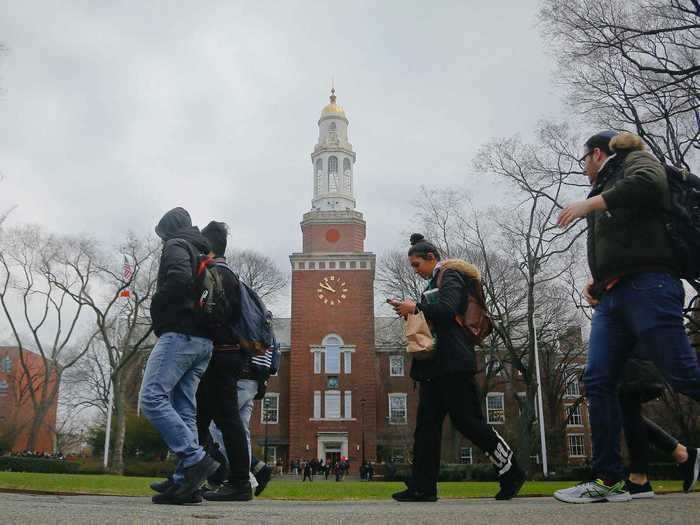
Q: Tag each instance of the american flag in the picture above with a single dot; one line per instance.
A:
(127, 273)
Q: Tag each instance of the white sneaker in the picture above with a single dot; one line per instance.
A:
(594, 491)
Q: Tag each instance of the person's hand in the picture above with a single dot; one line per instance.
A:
(573, 211)
(587, 293)
(404, 308)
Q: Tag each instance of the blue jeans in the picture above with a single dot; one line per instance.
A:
(642, 313)
(168, 393)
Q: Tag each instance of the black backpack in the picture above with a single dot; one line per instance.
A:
(211, 306)
(683, 222)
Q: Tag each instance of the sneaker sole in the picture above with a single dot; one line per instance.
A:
(643, 495)
(567, 499)
(618, 498)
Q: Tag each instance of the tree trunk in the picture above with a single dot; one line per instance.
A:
(37, 423)
(117, 465)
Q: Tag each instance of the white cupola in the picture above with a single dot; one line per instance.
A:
(333, 161)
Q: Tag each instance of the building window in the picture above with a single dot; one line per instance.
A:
(317, 362)
(397, 409)
(269, 415)
(397, 455)
(319, 176)
(271, 455)
(347, 176)
(577, 448)
(332, 350)
(347, 362)
(575, 418)
(342, 265)
(317, 404)
(6, 364)
(572, 385)
(332, 174)
(353, 264)
(4, 387)
(332, 403)
(523, 400)
(332, 126)
(495, 413)
(348, 404)
(465, 455)
(396, 366)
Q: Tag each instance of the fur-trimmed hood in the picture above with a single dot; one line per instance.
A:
(623, 142)
(461, 266)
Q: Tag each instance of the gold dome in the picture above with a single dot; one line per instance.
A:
(332, 108)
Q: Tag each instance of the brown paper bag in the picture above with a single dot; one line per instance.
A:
(419, 338)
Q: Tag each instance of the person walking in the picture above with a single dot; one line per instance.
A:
(178, 360)
(637, 296)
(446, 380)
(217, 396)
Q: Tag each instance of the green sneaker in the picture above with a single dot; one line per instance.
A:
(594, 491)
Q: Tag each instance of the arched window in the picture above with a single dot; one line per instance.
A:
(332, 344)
(333, 174)
(347, 175)
(319, 175)
(332, 126)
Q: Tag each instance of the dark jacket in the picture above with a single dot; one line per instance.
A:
(226, 335)
(172, 304)
(454, 352)
(629, 237)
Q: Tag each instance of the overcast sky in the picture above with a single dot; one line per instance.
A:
(112, 113)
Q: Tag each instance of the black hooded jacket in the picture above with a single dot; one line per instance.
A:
(172, 304)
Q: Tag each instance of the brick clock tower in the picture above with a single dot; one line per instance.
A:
(333, 385)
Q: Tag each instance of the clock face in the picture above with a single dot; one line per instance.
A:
(332, 290)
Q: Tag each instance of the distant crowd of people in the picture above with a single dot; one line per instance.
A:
(35, 454)
(307, 469)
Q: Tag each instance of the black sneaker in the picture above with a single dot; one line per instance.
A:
(263, 478)
(171, 497)
(511, 482)
(690, 470)
(196, 475)
(412, 495)
(228, 492)
(162, 486)
(639, 491)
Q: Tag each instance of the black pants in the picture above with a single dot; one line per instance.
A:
(640, 431)
(217, 400)
(457, 395)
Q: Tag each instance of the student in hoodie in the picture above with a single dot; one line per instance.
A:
(447, 384)
(178, 359)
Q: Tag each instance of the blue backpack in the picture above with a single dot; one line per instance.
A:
(253, 328)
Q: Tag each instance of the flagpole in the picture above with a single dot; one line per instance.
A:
(110, 402)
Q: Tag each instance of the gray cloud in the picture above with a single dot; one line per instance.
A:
(114, 113)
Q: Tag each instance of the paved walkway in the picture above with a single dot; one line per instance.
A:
(672, 509)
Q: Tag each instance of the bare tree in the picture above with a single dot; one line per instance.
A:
(632, 64)
(121, 306)
(32, 263)
(259, 272)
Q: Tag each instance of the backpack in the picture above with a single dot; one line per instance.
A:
(683, 222)
(211, 307)
(253, 328)
(475, 320)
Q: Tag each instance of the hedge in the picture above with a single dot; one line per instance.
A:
(448, 472)
(28, 464)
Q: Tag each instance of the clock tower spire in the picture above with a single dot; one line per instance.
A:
(333, 402)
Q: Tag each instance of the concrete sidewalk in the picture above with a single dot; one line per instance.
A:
(672, 509)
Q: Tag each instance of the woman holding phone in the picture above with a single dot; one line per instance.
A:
(447, 383)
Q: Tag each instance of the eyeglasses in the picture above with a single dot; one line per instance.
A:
(582, 159)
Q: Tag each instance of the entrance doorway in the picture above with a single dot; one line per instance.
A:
(332, 457)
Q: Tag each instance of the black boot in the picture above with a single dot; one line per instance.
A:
(412, 494)
(511, 482)
(196, 475)
(229, 492)
(171, 497)
(162, 486)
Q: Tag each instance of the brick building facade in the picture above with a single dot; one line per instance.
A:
(343, 387)
(16, 411)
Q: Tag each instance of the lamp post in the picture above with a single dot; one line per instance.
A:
(266, 421)
(543, 440)
(362, 405)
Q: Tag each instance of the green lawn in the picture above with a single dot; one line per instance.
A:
(289, 490)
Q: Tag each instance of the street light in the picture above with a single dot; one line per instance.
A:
(362, 405)
(543, 441)
(266, 420)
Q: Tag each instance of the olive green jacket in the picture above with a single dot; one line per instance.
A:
(630, 236)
